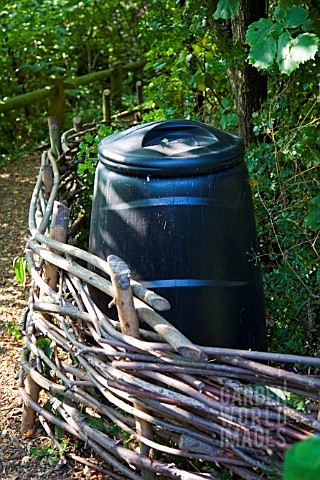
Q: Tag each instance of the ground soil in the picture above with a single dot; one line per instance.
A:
(20, 457)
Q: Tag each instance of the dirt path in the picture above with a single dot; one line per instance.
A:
(20, 458)
(17, 179)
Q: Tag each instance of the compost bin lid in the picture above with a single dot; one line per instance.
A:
(171, 148)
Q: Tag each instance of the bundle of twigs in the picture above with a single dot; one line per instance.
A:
(148, 402)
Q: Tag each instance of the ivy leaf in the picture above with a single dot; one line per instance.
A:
(45, 345)
(294, 17)
(226, 9)
(94, 422)
(302, 460)
(302, 48)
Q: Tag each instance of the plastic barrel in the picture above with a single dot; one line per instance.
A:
(172, 199)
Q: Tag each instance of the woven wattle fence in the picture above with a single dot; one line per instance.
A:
(147, 401)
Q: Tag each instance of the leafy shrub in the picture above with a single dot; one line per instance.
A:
(284, 184)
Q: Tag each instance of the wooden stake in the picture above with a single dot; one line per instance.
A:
(47, 180)
(54, 136)
(139, 92)
(106, 103)
(29, 414)
(129, 322)
(116, 81)
(57, 100)
(77, 123)
(58, 232)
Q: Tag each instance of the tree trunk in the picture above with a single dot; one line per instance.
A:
(248, 84)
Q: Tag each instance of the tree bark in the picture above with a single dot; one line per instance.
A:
(248, 84)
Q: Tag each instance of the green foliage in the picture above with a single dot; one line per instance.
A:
(44, 40)
(88, 151)
(285, 187)
(45, 345)
(312, 220)
(13, 329)
(49, 450)
(226, 9)
(188, 67)
(280, 41)
(302, 460)
(94, 422)
(21, 268)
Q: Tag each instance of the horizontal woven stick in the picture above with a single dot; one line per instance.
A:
(259, 399)
(129, 456)
(269, 356)
(150, 298)
(304, 381)
(175, 338)
(167, 331)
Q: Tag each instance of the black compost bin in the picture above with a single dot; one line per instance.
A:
(172, 199)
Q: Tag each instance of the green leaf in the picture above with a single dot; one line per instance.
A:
(283, 50)
(302, 460)
(45, 345)
(19, 266)
(59, 432)
(302, 48)
(94, 422)
(294, 17)
(258, 31)
(279, 13)
(228, 120)
(262, 54)
(226, 9)
(263, 45)
(312, 220)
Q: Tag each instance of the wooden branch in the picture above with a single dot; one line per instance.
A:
(57, 103)
(25, 99)
(150, 298)
(103, 74)
(171, 334)
(68, 83)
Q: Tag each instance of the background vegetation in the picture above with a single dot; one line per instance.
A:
(251, 69)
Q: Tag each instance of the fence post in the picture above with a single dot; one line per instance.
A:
(57, 101)
(106, 104)
(117, 87)
(54, 136)
(139, 92)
